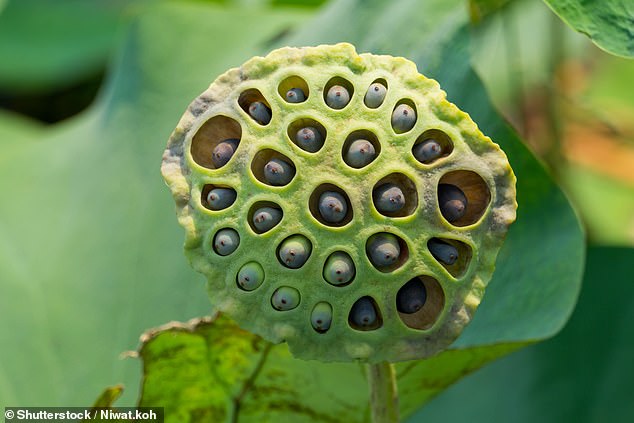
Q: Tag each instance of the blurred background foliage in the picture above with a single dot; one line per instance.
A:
(571, 102)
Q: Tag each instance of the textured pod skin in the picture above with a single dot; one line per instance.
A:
(217, 115)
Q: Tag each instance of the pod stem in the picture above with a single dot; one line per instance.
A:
(383, 392)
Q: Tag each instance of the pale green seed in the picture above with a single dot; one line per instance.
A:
(339, 268)
(285, 298)
(321, 317)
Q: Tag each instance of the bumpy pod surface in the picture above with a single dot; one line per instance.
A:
(369, 318)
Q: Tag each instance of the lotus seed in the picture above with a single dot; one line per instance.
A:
(294, 251)
(332, 206)
(427, 151)
(226, 241)
(388, 198)
(360, 153)
(443, 251)
(223, 152)
(403, 118)
(278, 172)
(363, 314)
(452, 202)
(321, 317)
(383, 249)
(375, 95)
(221, 198)
(411, 297)
(265, 218)
(260, 112)
(339, 268)
(337, 97)
(309, 139)
(285, 298)
(250, 276)
(295, 95)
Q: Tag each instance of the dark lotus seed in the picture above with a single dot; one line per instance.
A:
(339, 268)
(221, 198)
(309, 139)
(427, 151)
(452, 202)
(443, 251)
(223, 152)
(411, 297)
(337, 97)
(250, 276)
(383, 249)
(265, 218)
(363, 314)
(294, 251)
(278, 172)
(332, 206)
(375, 95)
(388, 198)
(295, 95)
(260, 112)
(226, 241)
(360, 153)
(403, 118)
(285, 298)
(321, 317)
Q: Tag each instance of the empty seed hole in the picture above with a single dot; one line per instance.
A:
(452, 254)
(330, 205)
(217, 197)
(281, 168)
(386, 251)
(395, 196)
(209, 135)
(360, 149)
(432, 145)
(264, 216)
(365, 315)
(404, 116)
(425, 316)
(474, 189)
(302, 133)
(335, 98)
(255, 105)
(287, 89)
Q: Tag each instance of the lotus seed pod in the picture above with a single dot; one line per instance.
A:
(309, 139)
(375, 95)
(338, 97)
(371, 314)
(411, 297)
(321, 317)
(294, 251)
(403, 118)
(360, 153)
(221, 198)
(383, 249)
(442, 251)
(250, 276)
(285, 298)
(260, 113)
(332, 206)
(295, 95)
(224, 151)
(226, 241)
(265, 218)
(278, 172)
(339, 268)
(427, 151)
(388, 198)
(452, 202)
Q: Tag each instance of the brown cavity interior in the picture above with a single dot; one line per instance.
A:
(409, 191)
(209, 135)
(313, 204)
(434, 304)
(476, 191)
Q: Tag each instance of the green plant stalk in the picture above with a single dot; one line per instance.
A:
(383, 392)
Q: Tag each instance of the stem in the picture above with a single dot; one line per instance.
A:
(383, 392)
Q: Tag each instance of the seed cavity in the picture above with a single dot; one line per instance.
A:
(420, 302)
(452, 202)
(463, 197)
(411, 297)
(360, 149)
(264, 216)
(404, 116)
(365, 315)
(285, 298)
(338, 92)
(272, 168)
(294, 251)
(330, 205)
(215, 131)
(386, 251)
(431, 146)
(255, 105)
(339, 269)
(395, 195)
(295, 95)
(321, 317)
(452, 254)
(442, 251)
(293, 89)
(214, 197)
(250, 276)
(226, 241)
(307, 134)
(376, 94)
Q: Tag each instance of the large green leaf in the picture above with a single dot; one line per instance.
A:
(91, 252)
(609, 23)
(585, 374)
